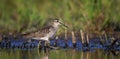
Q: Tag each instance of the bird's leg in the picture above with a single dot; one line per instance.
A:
(39, 43)
(47, 43)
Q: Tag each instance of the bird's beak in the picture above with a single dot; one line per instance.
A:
(63, 24)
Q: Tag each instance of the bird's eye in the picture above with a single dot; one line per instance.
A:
(57, 20)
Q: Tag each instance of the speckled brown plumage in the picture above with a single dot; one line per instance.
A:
(38, 33)
(45, 33)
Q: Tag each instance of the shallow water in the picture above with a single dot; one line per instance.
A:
(57, 54)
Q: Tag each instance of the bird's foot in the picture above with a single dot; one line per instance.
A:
(53, 47)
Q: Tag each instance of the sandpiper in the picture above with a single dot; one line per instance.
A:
(47, 32)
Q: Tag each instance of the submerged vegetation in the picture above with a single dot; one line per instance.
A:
(17, 16)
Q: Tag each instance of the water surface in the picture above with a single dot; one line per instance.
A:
(57, 54)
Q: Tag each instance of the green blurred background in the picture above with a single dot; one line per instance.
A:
(17, 16)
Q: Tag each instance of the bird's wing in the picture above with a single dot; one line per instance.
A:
(38, 33)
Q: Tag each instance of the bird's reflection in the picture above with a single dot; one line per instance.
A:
(44, 53)
(45, 57)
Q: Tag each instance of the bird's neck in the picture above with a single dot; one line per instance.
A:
(56, 26)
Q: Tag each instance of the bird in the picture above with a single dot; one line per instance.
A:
(47, 32)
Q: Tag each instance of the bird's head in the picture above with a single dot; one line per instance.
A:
(58, 22)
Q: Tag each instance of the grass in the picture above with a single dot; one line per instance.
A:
(17, 16)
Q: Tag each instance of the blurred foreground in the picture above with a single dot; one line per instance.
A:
(56, 54)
